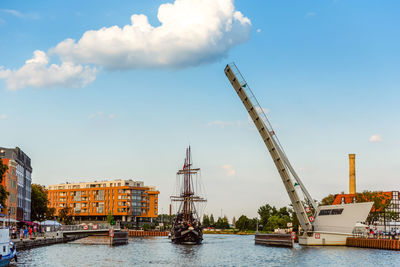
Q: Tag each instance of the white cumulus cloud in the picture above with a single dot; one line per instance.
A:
(229, 170)
(38, 73)
(376, 138)
(191, 32)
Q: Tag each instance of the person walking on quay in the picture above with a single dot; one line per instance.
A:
(14, 235)
(21, 233)
(25, 232)
(30, 232)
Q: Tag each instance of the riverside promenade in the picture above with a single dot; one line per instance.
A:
(27, 243)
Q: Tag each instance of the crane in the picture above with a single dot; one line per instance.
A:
(287, 173)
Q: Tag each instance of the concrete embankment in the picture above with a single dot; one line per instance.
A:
(45, 241)
(138, 233)
(278, 240)
(119, 238)
(389, 244)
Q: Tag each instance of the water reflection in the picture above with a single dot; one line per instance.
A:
(216, 250)
(189, 252)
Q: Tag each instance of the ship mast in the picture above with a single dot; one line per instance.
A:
(187, 195)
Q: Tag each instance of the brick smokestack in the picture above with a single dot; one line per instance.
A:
(352, 173)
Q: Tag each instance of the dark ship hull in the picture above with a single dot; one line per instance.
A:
(186, 236)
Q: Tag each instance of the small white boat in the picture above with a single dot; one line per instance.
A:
(8, 251)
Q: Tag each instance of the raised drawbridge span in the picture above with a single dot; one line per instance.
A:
(330, 229)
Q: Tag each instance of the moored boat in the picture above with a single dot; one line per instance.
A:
(8, 251)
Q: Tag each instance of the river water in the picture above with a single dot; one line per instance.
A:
(216, 250)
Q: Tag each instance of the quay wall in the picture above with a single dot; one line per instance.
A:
(138, 233)
(42, 241)
(390, 244)
(119, 238)
(279, 240)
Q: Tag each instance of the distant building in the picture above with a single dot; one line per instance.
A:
(126, 200)
(17, 182)
(392, 197)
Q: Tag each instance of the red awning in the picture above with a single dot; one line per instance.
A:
(28, 223)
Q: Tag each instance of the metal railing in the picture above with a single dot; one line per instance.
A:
(92, 227)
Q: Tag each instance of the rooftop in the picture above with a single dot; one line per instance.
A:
(110, 183)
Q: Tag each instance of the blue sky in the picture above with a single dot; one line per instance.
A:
(327, 71)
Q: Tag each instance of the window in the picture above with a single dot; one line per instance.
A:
(330, 212)
(336, 211)
(342, 201)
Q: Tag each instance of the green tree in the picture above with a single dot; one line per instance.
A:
(206, 221)
(110, 218)
(272, 218)
(3, 192)
(50, 213)
(379, 208)
(212, 221)
(242, 223)
(277, 221)
(146, 227)
(265, 213)
(226, 222)
(38, 202)
(252, 224)
(284, 211)
(222, 223)
(65, 215)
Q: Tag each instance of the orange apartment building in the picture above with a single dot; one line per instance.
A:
(126, 200)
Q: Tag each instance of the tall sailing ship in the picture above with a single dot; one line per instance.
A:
(186, 228)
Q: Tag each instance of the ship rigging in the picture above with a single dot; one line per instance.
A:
(186, 227)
